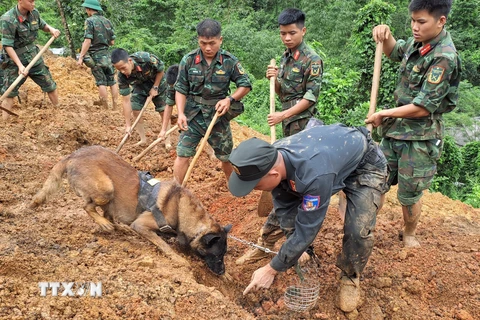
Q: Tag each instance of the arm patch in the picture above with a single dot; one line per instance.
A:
(436, 74)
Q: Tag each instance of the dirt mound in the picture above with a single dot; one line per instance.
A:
(59, 242)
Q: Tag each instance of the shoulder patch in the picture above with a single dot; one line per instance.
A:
(310, 203)
(240, 68)
(315, 71)
(436, 74)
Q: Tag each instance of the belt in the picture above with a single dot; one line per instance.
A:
(207, 102)
(24, 49)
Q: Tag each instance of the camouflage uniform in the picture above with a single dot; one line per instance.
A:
(429, 77)
(204, 86)
(300, 77)
(100, 30)
(142, 78)
(170, 95)
(20, 34)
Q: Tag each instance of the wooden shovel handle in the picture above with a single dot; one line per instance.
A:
(200, 148)
(125, 138)
(377, 67)
(154, 143)
(21, 76)
(272, 102)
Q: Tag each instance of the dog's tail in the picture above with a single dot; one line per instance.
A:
(52, 184)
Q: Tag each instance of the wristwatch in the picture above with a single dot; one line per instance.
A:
(232, 99)
(155, 88)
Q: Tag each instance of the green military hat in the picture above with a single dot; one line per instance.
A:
(92, 4)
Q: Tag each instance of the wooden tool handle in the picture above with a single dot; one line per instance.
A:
(272, 102)
(377, 67)
(154, 143)
(21, 76)
(125, 138)
(200, 148)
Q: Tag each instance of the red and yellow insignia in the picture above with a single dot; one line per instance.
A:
(197, 59)
(315, 69)
(416, 68)
(425, 49)
(436, 74)
(221, 72)
(240, 68)
(296, 55)
(292, 185)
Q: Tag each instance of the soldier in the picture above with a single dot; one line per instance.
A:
(302, 178)
(297, 83)
(144, 72)
(99, 35)
(171, 75)
(413, 131)
(202, 88)
(20, 27)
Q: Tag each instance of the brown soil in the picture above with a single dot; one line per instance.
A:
(60, 242)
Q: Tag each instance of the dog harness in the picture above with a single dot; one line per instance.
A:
(147, 199)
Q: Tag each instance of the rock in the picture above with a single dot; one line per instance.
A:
(352, 315)
(382, 282)
(463, 315)
(147, 262)
(376, 313)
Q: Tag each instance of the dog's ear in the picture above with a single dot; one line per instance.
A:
(211, 238)
(227, 228)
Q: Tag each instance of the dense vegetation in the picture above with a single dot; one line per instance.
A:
(340, 31)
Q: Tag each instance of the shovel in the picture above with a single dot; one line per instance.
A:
(265, 203)
(154, 143)
(149, 99)
(200, 148)
(21, 76)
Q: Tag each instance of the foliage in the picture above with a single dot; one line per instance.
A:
(449, 167)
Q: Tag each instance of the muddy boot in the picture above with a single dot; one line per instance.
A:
(348, 298)
(266, 241)
(411, 216)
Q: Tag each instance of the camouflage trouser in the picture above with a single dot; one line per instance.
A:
(220, 138)
(294, 127)
(39, 73)
(103, 72)
(412, 165)
(140, 94)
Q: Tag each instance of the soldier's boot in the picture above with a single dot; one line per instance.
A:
(266, 240)
(411, 216)
(348, 297)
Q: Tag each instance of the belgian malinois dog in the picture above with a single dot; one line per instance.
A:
(127, 198)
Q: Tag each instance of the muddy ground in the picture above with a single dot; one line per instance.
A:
(59, 242)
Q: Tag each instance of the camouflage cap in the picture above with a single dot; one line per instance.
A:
(251, 161)
(92, 4)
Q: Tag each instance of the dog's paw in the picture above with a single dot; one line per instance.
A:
(124, 228)
(107, 227)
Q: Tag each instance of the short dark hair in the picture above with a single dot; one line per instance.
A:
(119, 55)
(290, 16)
(209, 28)
(172, 73)
(436, 8)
